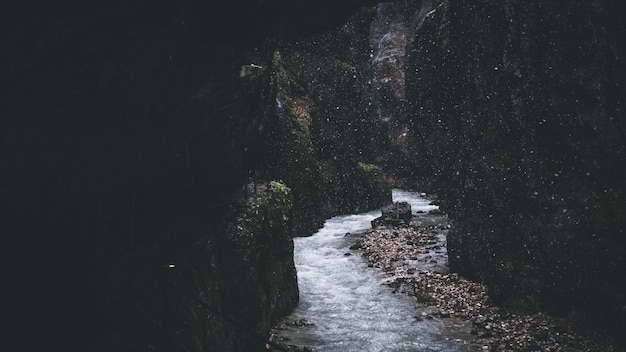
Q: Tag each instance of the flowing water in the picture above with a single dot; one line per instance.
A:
(346, 301)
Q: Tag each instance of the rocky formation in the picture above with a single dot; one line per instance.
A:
(253, 291)
(128, 127)
(324, 148)
(398, 213)
(514, 111)
(414, 260)
(388, 40)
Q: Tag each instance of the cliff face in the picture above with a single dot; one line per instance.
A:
(515, 112)
(247, 281)
(325, 127)
(126, 127)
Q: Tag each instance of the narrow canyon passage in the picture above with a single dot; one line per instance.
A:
(177, 148)
(347, 303)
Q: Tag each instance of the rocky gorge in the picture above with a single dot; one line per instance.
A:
(183, 146)
(413, 256)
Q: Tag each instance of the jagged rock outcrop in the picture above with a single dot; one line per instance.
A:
(515, 124)
(325, 128)
(391, 31)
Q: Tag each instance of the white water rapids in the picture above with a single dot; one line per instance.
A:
(346, 301)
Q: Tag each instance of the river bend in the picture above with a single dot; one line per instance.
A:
(346, 301)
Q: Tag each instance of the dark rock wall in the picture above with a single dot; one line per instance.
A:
(325, 127)
(391, 30)
(387, 36)
(516, 112)
(249, 281)
(127, 136)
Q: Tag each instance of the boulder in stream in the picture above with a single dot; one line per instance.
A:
(397, 214)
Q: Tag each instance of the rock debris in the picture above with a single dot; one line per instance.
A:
(414, 258)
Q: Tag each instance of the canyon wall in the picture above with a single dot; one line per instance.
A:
(516, 122)
(326, 127)
(137, 157)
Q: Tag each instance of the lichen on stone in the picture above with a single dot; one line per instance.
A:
(369, 167)
(283, 198)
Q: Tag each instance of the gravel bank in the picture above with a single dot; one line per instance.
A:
(415, 259)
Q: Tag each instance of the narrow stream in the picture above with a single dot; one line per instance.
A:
(346, 301)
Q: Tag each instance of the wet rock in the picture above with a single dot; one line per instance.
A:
(486, 334)
(353, 235)
(355, 246)
(284, 347)
(397, 214)
(398, 210)
(444, 314)
(302, 322)
(424, 297)
(480, 320)
(277, 343)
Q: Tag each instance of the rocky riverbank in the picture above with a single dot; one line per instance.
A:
(414, 258)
